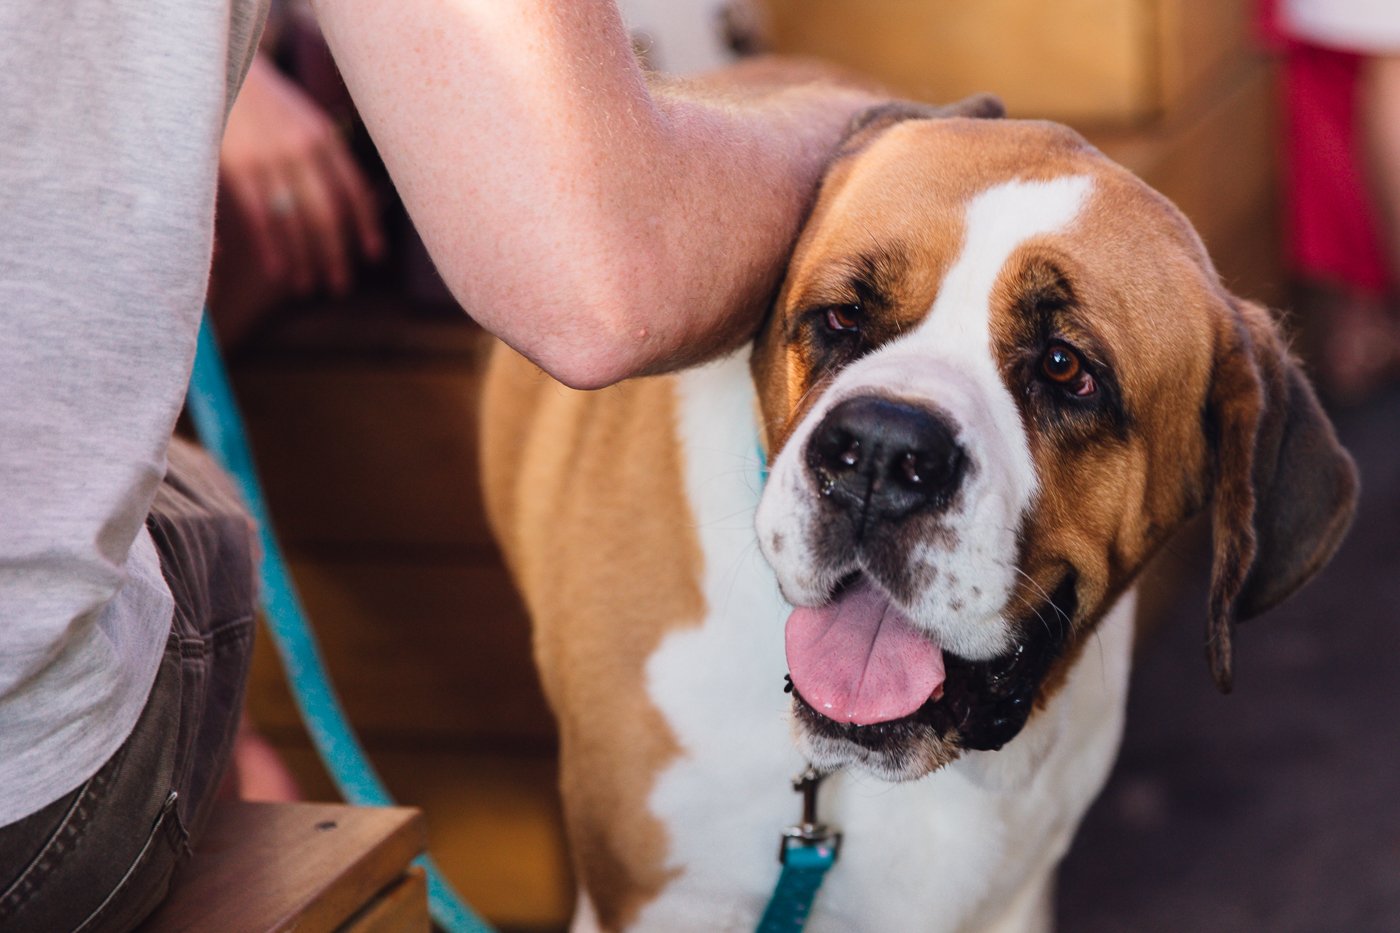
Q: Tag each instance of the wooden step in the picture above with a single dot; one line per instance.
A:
(311, 867)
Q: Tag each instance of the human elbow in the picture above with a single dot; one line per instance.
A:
(585, 342)
(584, 365)
(601, 340)
(579, 328)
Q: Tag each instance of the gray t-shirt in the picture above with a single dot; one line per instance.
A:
(110, 121)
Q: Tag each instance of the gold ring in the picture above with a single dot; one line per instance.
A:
(282, 202)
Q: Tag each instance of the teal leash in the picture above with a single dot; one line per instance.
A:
(809, 848)
(220, 426)
(807, 851)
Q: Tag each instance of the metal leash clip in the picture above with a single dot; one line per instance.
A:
(810, 834)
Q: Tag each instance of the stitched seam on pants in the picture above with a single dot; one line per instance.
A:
(167, 811)
(194, 695)
(231, 633)
(63, 840)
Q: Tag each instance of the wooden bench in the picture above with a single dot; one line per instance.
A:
(311, 867)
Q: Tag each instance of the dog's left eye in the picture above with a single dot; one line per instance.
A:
(843, 319)
(1064, 367)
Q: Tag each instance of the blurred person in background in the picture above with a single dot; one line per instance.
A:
(300, 206)
(1341, 89)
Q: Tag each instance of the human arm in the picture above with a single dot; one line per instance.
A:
(602, 228)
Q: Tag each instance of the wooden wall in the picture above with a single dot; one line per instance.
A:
(1174, 89)
(363, 420)
(1087, 62)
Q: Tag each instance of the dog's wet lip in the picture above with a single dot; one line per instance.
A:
(844, 584)
(982, 705)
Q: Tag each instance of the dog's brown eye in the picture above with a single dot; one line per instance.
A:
(843, 318)
(1062, 366)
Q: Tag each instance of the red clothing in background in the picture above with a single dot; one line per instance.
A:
(1333, 234)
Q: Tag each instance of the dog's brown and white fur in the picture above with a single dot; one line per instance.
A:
(943, 264)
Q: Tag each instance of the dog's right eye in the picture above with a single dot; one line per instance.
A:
(843, 319)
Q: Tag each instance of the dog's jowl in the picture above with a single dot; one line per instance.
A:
(1000, 373)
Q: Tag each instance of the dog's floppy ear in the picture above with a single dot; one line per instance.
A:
(1284, 487)
(873, 120)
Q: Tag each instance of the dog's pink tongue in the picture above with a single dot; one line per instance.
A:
(860, 659)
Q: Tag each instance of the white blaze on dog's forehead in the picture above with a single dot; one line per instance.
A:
(999, 220)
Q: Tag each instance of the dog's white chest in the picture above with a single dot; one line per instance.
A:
(972, 846)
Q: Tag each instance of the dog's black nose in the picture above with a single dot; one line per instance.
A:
(885, 458)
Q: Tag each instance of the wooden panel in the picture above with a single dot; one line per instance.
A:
(494, 825)
(368, 455)
(265, 867)
(1078, 60)
(1200, 40)
(1250, 260)
(403, 908)
(1088, 62)
(1217, 163)
(496, 830)
(375, 326)
(415, 650)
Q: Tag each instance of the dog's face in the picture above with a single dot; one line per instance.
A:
(1000, 372)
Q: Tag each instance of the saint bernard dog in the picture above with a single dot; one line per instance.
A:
(896, 537)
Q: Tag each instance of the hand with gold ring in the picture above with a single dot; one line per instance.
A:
(285, 169)
(282, 202)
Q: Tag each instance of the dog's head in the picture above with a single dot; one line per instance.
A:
(1000, 372)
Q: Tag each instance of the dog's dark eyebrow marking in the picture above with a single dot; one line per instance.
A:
(865, 282)
(876, 273)
(1043, 289)
(867, 278)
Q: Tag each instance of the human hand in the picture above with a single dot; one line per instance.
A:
(308, 207)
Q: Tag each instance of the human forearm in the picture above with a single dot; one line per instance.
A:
(601, 230)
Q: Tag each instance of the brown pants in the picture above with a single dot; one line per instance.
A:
(100, 858)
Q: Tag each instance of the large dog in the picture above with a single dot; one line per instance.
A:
(1000, 372)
